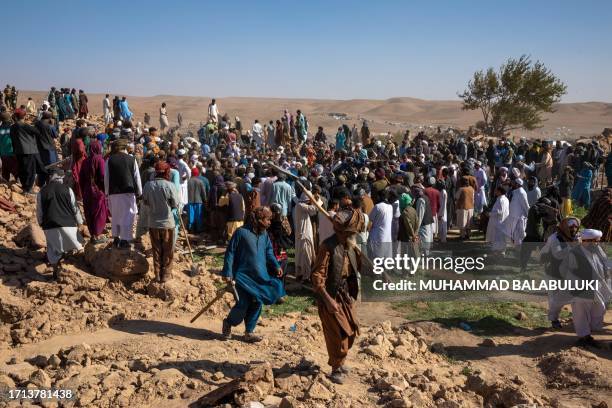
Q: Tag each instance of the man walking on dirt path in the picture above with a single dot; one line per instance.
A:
(334, 279)
(250, 262)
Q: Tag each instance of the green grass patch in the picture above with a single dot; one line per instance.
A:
(301, 301)
(486, 319)
(579, 212)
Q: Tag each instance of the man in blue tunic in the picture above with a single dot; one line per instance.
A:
(250, 262)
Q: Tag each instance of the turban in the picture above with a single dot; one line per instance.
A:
(591, 234)
(19, 113)
(121, 143)
(519, 182)
(349, 220)
(162, 169)
(405, 201)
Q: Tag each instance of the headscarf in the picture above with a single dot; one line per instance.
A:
(162, 170)
(91, 176)
(217, 190)
(78, 157)
(565, 224)
(349, 221)
(195, 172)
(405, 201)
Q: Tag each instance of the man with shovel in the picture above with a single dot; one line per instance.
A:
(251, 264)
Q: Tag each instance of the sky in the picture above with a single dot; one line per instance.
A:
(309, 49)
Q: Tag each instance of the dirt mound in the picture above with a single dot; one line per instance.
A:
(576, 367)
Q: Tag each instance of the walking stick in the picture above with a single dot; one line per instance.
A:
(231, 287)
(194, 268)
(323, 211)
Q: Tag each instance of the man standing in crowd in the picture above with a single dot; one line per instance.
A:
(122, 186)
(25, 145)
(213, 111)
(107, 110)
(160, 197)
(8, 160)
(58, 214)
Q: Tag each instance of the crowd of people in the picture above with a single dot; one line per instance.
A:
(261, 191)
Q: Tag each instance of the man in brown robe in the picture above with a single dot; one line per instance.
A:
(335, 281)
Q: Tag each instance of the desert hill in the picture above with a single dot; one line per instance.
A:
(570, 121)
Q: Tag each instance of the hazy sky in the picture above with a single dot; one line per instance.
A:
(318, 49)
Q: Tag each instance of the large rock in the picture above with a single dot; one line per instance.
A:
(172, 290)
(254, 385)
(120, 264)
(31, 236)
(20, 372)
(12, 309)
(42, 290)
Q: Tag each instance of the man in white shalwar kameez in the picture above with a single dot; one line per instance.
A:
(213, 111)
(58, 215)
(107, 109)
(304, 237)
(122, 185)
(185, 175)
(517, 215)
(554, 253)
(588, 262)
(380, 238)
(496, 228)
(442, 212)
(480, 198)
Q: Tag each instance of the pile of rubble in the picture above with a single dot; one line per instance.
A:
(96, 287)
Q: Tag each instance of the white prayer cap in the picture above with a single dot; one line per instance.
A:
(365, 170)
(181, 152)
(591, 234)
(519, 181)
(119, 123)
(432, 180)
(251, 176)
(503, 169)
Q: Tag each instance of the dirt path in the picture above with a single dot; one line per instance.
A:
(197, 351)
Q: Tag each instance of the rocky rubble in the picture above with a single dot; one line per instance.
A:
(575, 367)
(96, 287)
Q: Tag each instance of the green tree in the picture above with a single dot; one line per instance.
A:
(515, 97)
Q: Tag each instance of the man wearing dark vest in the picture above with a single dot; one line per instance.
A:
(334, 280)
(59, 216)
(122, 186)
(24, 138)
